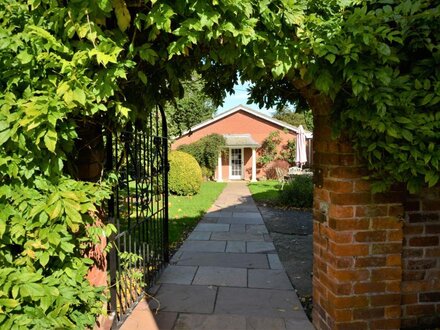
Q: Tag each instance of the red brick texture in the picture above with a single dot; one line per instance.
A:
(358, 239)
(421, 261)
(376, 256)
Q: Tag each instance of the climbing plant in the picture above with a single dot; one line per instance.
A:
(206, 151)
(269, 148)
(67, 65)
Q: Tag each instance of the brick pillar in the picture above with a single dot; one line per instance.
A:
(357, 237)
(421, 261)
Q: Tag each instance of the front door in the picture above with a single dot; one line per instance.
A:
(236, 164)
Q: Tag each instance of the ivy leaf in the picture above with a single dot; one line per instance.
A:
(74, 215)
(55, 210)
(122, 14)
(9, 303)
(79, 96)
(324, 81)
(44, 259)
(50, 140)
(142, 77)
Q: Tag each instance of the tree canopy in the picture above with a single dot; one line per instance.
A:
(193, 108)
(295, 118)
(110, 61)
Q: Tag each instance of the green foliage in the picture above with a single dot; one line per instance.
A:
(205, 151)
(110, 62)
(298, 192)
(269, 148)
(185, 176)
(265, 191)
(51, 74)
(192, 109)
(288, 153)
(295, 118)
(186, 211)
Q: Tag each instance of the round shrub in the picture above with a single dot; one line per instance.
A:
(185, 177)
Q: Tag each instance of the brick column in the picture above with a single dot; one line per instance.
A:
(357, 237)
(421, 261)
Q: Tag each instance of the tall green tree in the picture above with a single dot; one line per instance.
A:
(194, 107)
(290, 116)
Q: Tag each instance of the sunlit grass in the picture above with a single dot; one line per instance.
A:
(265, 191)
(186, 211)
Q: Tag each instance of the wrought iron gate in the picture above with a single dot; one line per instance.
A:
(139, 210)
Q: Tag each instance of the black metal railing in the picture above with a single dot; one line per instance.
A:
(138, 209)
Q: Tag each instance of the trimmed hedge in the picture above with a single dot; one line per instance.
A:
(185, 176)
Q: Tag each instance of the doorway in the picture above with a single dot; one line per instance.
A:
(236, 164)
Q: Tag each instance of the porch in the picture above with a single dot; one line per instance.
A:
(238, 159)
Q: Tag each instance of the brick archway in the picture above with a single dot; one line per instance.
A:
(376, 256)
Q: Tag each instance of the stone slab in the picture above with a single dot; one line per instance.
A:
(237, 228)
(260, 247)
(178, 274)
(210, 322)
(269, 279)
(259, 302)
(176, 256)
(256, 229)
(185, 298)
(247, 215)
(221, 276)
(234, 260)
(265, 323)
(218, 214)
(274, 261)
(209, 220)
(236, 246)
(204, 246)
(229, 236)
(245, 221)
(199, 236)
(212, 227)
(268, 238)
(302, 324)
(165, 320)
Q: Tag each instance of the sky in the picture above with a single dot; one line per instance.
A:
(240, 97)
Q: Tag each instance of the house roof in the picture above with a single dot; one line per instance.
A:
(240, 140)
(251, 111)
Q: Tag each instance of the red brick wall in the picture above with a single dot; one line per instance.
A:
(358, 237)
(376, 256)
(421, 261)
(239, 122)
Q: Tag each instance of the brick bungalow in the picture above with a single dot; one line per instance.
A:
(244, 130)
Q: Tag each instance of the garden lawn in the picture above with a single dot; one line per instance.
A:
(186, 211)
(297, 192)
(265, 191)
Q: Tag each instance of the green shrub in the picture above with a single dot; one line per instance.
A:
(298, 192)
(185, 177)
(207, 173)
(205, 151)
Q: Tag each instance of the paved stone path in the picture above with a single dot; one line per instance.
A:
(227, 274)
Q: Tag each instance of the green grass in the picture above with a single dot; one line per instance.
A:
(265, 191)
(186, 211)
